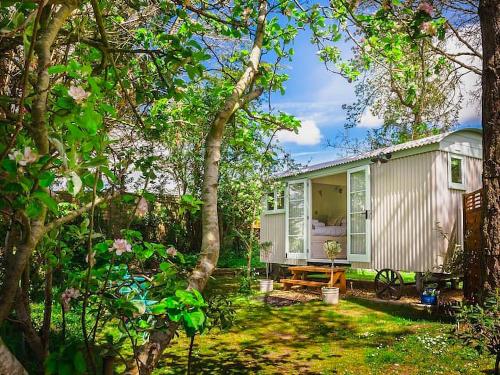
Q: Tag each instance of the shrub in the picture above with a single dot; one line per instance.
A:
(479, 326)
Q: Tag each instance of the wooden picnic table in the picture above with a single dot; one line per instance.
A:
(300, 274)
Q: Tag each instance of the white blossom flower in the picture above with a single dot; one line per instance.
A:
(67, 296)
(78, 93)
(142, 207)
(172, 251)
(28, 157)
(121, 246)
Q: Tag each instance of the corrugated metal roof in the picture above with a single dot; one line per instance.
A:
(371, 154)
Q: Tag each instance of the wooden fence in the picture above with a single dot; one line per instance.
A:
(472, 206)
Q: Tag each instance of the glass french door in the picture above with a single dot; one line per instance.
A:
(296, 220)
(358, 211)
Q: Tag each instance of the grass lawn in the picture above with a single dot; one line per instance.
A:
(355, 337)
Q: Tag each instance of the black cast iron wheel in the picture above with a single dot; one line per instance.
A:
(389, 284)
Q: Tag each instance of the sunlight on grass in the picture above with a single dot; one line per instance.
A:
(355, 337)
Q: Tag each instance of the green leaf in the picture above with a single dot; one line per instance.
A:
(9, 165)
(164, 266)
(187, 298)
(91, 120)
(159, 308)
(33, 209)
(13, 187)
(76, 184)
(46, 199)
(65, 368)
(46, 178)
(60, 149)
(51, 364)
(79, 362)
(57, 69)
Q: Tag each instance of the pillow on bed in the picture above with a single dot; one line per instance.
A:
(331, 221)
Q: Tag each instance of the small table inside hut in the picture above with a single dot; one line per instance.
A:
(300, 274)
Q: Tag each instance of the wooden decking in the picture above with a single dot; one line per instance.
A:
(300, 273)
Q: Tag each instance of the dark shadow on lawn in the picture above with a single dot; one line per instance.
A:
(248, 360)
(406, 311)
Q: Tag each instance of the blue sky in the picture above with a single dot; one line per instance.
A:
(315, 96)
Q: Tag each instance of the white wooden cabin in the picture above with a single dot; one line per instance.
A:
(398, 207)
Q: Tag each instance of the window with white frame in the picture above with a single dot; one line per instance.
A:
(275, 201)
(456, 178)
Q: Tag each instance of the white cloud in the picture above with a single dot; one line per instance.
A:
(470, 82)
(369, 121)
(308, 134)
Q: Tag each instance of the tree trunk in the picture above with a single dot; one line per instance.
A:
(489, 15)
(210, 244)
(8, 363)
(39, 132)
(150, 352)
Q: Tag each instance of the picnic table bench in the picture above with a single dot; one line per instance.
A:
(300, 274)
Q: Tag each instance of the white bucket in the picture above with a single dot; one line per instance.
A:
(330, 295)
(266, 286)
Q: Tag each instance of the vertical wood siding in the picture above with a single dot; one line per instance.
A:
(410, 196)
(272, 229)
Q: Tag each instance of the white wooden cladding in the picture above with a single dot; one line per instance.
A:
(411, 207)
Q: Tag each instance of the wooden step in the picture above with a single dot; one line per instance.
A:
(303, 282)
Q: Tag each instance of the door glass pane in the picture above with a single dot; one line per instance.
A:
(357, 217)
(358, 244)
(358, 201)
(358, 223)
(357, 181)
(296, 244)
(296, 226)
(296, 219)
(296, 191)
(296, 209)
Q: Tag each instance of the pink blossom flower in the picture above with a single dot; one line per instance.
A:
(28, 157)
(121, 246)
(426, 8)
(67, 296)
(428, 28)
(142, 207)
(172, 251)
(78, 93)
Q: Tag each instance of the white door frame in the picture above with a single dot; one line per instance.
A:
(304, 254)
(367, 256)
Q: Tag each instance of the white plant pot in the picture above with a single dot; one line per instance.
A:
(330, 295)
(266, 286)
